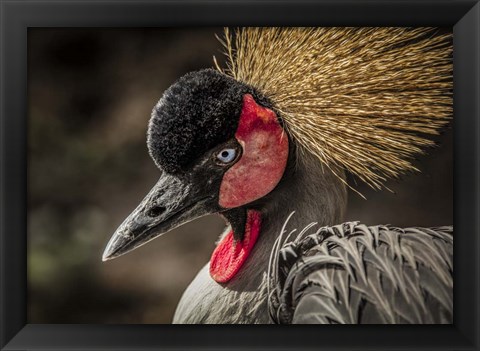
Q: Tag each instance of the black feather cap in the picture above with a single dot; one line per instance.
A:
(196, 113)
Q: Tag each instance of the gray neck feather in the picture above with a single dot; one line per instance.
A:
(311, 190)
(316, 195)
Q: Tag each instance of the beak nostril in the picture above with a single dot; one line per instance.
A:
(156, 211)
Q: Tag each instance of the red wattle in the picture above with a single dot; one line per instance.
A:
(230, 255)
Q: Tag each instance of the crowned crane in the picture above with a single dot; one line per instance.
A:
(267, 142)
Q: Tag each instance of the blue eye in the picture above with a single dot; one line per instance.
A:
(226, 155)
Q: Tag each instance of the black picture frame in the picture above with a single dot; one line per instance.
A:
(16, 16)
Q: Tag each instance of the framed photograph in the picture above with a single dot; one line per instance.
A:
(311, 164)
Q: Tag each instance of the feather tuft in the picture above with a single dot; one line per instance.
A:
(363, 99)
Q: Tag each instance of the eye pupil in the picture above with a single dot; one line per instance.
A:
(224, 153)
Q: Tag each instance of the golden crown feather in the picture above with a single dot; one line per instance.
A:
(363, 99)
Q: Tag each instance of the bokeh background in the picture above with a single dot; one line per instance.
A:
(91, 92)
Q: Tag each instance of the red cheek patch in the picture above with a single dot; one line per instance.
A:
(264, 158)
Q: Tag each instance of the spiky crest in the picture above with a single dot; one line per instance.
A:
(364, 99)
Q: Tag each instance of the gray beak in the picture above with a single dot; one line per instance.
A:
(171, 203)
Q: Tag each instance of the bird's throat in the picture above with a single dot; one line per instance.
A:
(233, 250)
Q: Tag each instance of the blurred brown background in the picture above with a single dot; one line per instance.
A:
(90, 96)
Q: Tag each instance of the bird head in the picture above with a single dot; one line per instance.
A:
(221, 148)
